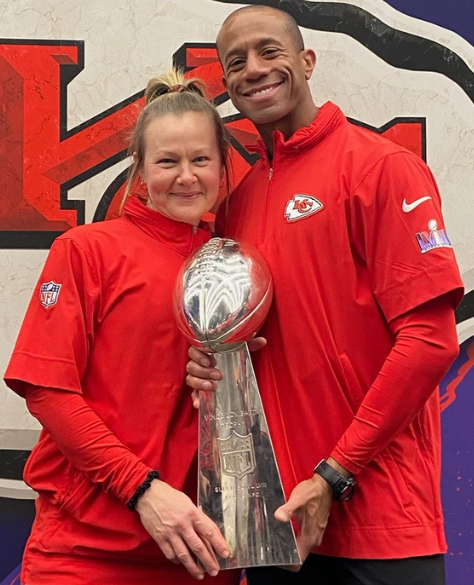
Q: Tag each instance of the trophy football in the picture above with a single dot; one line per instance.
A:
(222, 297)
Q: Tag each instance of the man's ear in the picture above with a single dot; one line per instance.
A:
(224, 81)
(309, 57)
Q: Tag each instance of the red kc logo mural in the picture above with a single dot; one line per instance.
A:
(42, 159)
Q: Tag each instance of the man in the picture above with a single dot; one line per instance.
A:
(362, 327)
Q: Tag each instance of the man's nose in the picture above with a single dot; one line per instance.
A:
(256, 66)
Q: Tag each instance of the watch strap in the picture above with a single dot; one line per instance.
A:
(342, 487)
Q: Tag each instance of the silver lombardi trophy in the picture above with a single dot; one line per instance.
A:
(222, 297)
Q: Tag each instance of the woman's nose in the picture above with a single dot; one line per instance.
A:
(186, 174)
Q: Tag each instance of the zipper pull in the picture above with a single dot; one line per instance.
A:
(270, 174)
(192, 245)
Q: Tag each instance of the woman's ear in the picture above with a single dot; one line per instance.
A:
(139, 171)
(135, 161)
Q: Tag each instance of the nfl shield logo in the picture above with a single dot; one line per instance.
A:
(237, 455)
(49, 293)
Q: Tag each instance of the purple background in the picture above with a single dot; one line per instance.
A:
(458, 468)
(457, 418)
(457, 15)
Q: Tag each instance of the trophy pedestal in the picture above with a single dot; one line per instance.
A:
(239, 482)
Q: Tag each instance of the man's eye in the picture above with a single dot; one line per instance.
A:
(236, 64)
(269, 52)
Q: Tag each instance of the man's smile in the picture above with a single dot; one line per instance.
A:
(262, 91)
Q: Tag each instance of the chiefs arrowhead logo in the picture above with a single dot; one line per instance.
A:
(301, 206)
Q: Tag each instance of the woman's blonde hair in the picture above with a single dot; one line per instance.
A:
(172, 93)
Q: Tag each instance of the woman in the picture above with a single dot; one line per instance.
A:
(100, 362)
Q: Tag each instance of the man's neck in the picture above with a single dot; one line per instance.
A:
(287, 129)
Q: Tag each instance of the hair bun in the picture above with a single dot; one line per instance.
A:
(179, 88)
(173, 82)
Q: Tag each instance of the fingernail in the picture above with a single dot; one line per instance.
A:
(205, 363)
(213, 573)
(215, 375)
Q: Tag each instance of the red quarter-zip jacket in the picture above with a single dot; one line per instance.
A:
(351, 227)
(100, 325)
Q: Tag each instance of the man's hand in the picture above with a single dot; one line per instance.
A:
(310, 504)
(202, 371)
(181, 530)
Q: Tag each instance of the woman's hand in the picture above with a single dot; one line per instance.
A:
(202, 371)
(181, 530)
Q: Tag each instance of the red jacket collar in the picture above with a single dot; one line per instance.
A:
(178, 235)
(328, 119)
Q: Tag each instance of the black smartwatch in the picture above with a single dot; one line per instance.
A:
(342, 487)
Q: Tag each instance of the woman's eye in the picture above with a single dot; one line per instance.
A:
(166, 161)
(201, 159)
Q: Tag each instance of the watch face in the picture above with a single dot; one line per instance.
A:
(347, 491)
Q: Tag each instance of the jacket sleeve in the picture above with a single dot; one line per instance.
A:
(84, 439)
(425, 346)
(398, 231)
(56, 335)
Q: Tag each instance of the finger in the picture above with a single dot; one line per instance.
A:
(183, 554)
(200, 384)
(209, 548)
(209, 532)
(284, 513)
(311, 534)
(202, 549)
(195, 399)
(201, 357)
(195, 369)
(306, 541)
(167, 550)
(257, 343)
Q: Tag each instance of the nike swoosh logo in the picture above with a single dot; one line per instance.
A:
(407, 207)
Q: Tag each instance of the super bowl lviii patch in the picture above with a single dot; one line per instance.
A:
(49, 293)
(434, 238)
